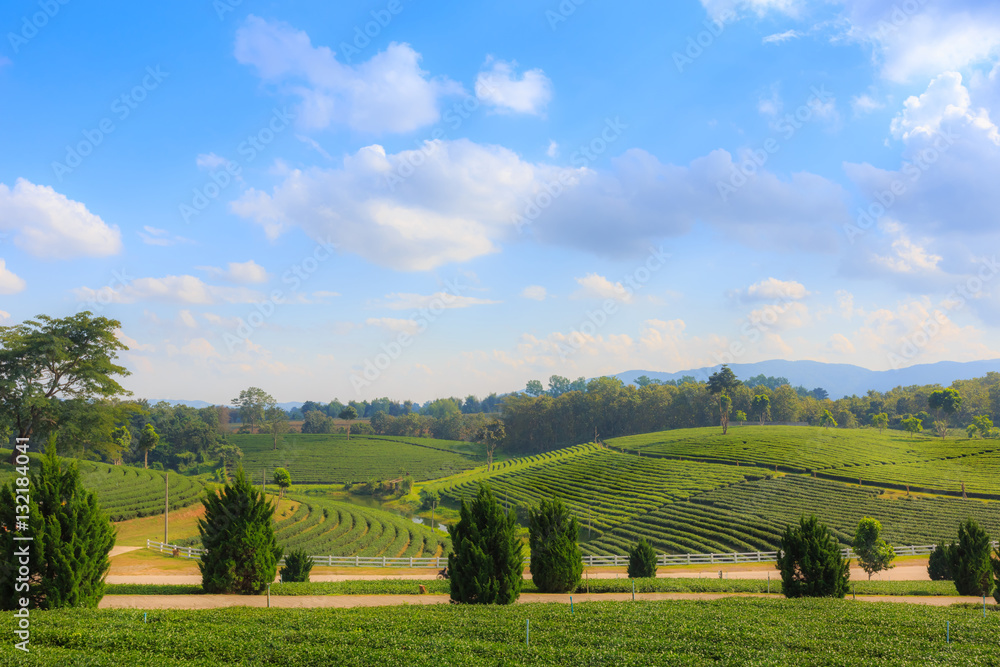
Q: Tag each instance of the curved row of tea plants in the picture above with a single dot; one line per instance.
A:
(905, 519)
(328, 527)
(333, 459)
(801, 448)
(603, 488)
(980, 473)
(126, 492)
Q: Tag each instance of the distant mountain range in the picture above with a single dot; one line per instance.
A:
(205, 404)
(839, 380)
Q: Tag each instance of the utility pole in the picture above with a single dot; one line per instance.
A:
(166, 503)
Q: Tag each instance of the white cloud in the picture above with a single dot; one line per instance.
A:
(172, 289)
(945, 101)
(780, 37)
(160, 237)
(772, 104)
(774, 289)
(4, 316)
(243, 273)
(394, 324)
(535, 292)
(210, 161)
(865, 104)
(790, 315)
(594, 286)
(439, 300)
(729, 9)
(132, 344)
(840, 344)
(499, 88)
(48, 225)
(553, 149)
(845, 301)
(10, 283)
(388, 93)
(463, 199)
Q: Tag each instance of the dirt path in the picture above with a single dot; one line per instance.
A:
(348, 601)
(117, 551)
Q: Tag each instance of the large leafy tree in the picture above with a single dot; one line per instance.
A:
(45, 360)
(237, 532)
(276, 423)
(349, 414)
(761, 406)
(149, 439)
(556, 559)
(874, 554)
(253, 403)
(282, 479)
(486, 564)
(71, 538)
(811, 563)
(945, 402)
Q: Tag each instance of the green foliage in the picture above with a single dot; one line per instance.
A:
(761, 406)
(995, 563)
(282, 479)
(827, 420)
(148, 441)
(429, 498)
(556, 560)
(811, 563)
(253, 403)
(912, 425)
(982, 425)
(298, 565)
(940, 562)
(641, 560)
(971, 566)
(237, 532)
(880, 421)
(348, 413)
(486, 563)
(71, 539)
(874, 555)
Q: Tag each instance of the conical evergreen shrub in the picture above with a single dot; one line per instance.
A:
(939, 563)
(556, 560)
(237, 533)
(486, 562)
(71, 539)
(971, 565)
(811, 563)
(641, 560)
(298, 565)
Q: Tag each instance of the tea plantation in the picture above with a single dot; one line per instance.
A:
(125, 492)
(333, 459)
(736, 631)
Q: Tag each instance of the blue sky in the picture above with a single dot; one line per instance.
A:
(413, 199)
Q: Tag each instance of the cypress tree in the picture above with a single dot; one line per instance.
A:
(486, 564)
(811, 563)
(72, 537)
(939, 563)
(237, 533)
(971, 565)
(556, 560)
(641, 560)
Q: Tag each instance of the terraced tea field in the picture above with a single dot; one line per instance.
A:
(979, 472)
(328, 527)
(332, 459)
(603, 488)
(801, 448)
(125, 492)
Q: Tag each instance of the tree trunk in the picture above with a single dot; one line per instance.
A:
(145, 459)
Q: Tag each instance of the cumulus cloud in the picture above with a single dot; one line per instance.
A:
(10, 283)
(388, 93)
(172, 289)
(535, 292)
(244, 273)
(445, 300)
(594, 286)
(457, 200)
(774, 289)
(48, 225)
(500, 88)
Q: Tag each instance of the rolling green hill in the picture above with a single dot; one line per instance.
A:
(332, 459)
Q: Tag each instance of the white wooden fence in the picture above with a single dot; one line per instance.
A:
(590, 560)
